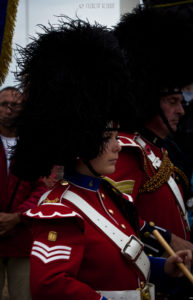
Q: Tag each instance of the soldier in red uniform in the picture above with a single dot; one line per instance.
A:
(85, 231)
(151, 167)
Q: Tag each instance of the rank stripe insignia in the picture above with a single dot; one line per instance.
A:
(47, 248)
(67, 253)
(124, 186)
(48, 254)
(47, 260)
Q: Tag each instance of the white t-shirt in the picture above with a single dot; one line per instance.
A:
(8, 143)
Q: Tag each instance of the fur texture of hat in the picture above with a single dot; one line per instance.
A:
(158, 46)
(75, 79)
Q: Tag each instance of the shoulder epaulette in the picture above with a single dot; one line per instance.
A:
(55, 195)
(124, 186)
(50, 205)
(51, 211)
(127, 140)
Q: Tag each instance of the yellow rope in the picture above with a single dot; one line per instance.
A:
(159, 178)
(162, 175)
(174, 3)
(6, 49)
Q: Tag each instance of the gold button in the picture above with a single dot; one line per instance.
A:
(177, 178)
(91, 183)
(111, 211)
(152, 224)
(155, 140)
(52, 236)
(64, 182)
(187, 229)
(147, 234)
(123, 226)
(102, 196)
(142, 284)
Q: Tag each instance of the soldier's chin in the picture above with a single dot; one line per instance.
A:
(174, 127)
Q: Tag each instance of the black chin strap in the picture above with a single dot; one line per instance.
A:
(165, 120)
(88, 164)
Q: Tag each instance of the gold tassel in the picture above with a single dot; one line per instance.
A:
(6, 49)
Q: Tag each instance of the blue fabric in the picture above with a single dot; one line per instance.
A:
(3, 10)
(190, 218)
(190, 212)
(152, 246)
(191, 183)
(87, 182)
(157, 269)
(163, 283)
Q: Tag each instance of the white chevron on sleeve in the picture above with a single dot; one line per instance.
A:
(47, 254)
(47, 260)
(51, 248)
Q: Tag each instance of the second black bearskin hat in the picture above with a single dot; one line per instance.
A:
(167, 3)
(74, 78)
(158, 46)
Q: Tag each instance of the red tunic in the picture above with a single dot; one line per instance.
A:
(88, 263)
(159, 206)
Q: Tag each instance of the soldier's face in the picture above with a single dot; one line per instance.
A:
(172, 108)
(105, 162)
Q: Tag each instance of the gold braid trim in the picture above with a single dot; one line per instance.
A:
(162, 176)
(182, 175)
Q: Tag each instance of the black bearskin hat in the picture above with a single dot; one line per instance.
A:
(74, 79)
(181, 8)
(167, 3)
(158, 47)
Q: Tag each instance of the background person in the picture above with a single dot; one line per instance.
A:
(158, 73)
(151, 165)
(16, 196)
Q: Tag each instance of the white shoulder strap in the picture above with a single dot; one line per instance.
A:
(130, 246)
(156, 162)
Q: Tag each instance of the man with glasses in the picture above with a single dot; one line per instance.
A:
(16, 196)
(11, 102)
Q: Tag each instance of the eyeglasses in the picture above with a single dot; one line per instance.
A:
(12, 105)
